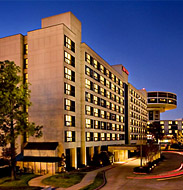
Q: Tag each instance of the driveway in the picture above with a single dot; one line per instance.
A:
(117, 178)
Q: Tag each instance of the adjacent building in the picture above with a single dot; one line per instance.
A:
(84, 104)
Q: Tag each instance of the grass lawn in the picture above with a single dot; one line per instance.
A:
(64, 180)
(97, 182)
(21, 183)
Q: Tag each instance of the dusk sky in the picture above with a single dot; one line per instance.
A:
(144, 36)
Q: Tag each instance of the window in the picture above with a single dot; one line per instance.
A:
(102, 114)
(95, 64)
(88, 97)
(95, 112)
(113, 87)
(87, 71)
(117, 80)
(87, 84)
(102, 80)
(101, 68)
(69, 59)
(117, 108)
(169, 122)
(117, 117)
(96, 124)
(88, 123)
(25, 48)
(68, 74)
(108, 136)
(107, 73)
(112, 77)
(108, 94)
(113, 137)
(117, 99)
(87, 58)
(69, 89)
(108, 85)
(95, 100)
(161, 122)
(69, 120)
(117, 127)
(102, 91)
(102, 102)
(95, 76)
(95, 88)
(25, 63)
(170, 131)
(113, 127)
(88, 110)
(69, 136)
(112, 107)
(96, 137)
(108, 105)
(107, 115)
(69, 43)
(103, 125)
(113, 97)
(89, 136)
(69, 105)
(102, 136)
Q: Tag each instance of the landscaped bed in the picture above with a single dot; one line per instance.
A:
(21, 183)
(64, 180)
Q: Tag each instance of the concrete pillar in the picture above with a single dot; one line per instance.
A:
(73, 157)
(83, 155)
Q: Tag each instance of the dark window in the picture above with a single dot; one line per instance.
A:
(151, 115)
(152, 94)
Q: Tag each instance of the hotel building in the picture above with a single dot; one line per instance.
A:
(84, 104)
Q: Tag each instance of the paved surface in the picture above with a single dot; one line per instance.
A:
(117, 178)
(36, 182)
(87, 180)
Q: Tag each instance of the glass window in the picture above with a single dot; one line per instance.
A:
(87, 71)
(102, 113)
(102, 80)
(69, 105)
(88, 123)
(87, 84)
(25, 49)
(117, 99)
(95, 76)
(113, 87)
(108, 136)
(95, 100)
(112, 106)
(108, 94)
(107, 73)
(103, 125)
(95, 88)
(88, 110)
(69, 136)
(96, 124)
(108, 85)
(101, 68)
(69, 89)
(96, 137)
(88, 97)
(112, 77)
(69, 59)
(107, 115)
(69, 43)
(102, 136)
(95, 112)
(88, 58)
(107, 104)
(113, 137)
(68, 74)
(113, 127)
(69, 120)
(95, 64)
(102, 91)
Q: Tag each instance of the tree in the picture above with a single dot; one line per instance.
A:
(14, 100)
(156, 130)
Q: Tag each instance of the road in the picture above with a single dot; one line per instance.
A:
(117, 178)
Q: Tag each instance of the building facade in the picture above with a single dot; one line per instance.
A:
(84, 104)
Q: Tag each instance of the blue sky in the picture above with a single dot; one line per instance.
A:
(145, 36)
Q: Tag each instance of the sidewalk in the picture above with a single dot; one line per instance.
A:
(87, 180)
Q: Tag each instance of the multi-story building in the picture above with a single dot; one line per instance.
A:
(84, 104)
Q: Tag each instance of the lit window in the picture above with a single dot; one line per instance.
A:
(108, 136)
(161, 122)
(102, 136)
(69, 136)
(117, 127)
(68, 74)
(88, 110)
(107, 104)
(69, 59)
(169, 122)
(107, 115)
(25, 63)
(95, 76)
(69, 89)
(102, 91)
(107, 84)
(102, 114)
(170, 131)
(95, 136)
(89, 136)
(88, 97)
(121, 83)
(176, 122)
(112, 106)
(113, 77)
(117, 108)
(162, 127)
(87, 84)
(69, 120)
(101, 68)
(113, 87)
(95, 63)
(101, 79)
(176, 131)
(108, 94)
(96, 124)
(88, 123)
(88, 58)
(69, 105)
(117, 117)
(113, 137)
(25, 49)
(69, 43)
(169, 127)
(95, 99)
(95, 112)
(113, 127)
(95, 88)
(87, 71)
(107, 73)
(117, 99)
